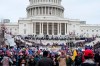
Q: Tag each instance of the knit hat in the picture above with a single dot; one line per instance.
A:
(45, 53)
(88, 53)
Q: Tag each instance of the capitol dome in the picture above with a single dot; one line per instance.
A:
(45, 8)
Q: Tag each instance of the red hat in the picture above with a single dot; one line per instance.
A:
(88, 53)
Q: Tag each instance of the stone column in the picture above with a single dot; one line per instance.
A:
(32, 11)
(35, 11)
(47, 29)
(51, 11)
(60, 28)
(55, 10)
(65, 28)
(48, 11)
(60, 12)
(38, 11)
(29, 12)
(52, 28)
(42, 10)
(57, 1)
(35, 28)
(45, 10)
(40, 27)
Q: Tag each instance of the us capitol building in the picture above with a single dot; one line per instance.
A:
(46, 17)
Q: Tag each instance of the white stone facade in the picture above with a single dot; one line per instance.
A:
(46, 17)
(11, 28)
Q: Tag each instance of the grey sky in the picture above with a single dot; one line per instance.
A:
(86, 10)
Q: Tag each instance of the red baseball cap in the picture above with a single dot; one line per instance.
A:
(89, 53)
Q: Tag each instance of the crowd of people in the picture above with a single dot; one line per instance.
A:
(27, 56)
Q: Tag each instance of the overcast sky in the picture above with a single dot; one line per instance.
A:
(86, 10)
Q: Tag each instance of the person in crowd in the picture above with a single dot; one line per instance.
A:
(23, 62)
(32, 61)
(50, 56)
(62, 59)
(16, 56)
(78, 59)
(14, 60)
(27, 59)
(56, 63)
(6, 61)
(1, 57)
(69, 60)
(20, 57)
(36, 58)
(45, 61)
(88, 55)
(97, 58)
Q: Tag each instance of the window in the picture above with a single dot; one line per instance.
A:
(43, 10)
(92, 30)
(10, 30)
(15, 29)
(96, 30)
(40, 10)
(50, 28)
(87, 30)
(50, 11)
(54, 1)
(24, 31)
(37, 28)
(81, 30)
(24, 25)
(73, 25)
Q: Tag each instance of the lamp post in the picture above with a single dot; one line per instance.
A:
(2, 33)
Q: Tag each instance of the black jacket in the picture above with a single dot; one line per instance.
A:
(88, 62)
(45, 62)
(32, 63)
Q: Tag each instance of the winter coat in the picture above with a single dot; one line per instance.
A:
(78, 60)
(32, 62)
(97, 57)
(23, 62)
(69, 61)
(45, 62)
(62, 61)
(88, 62)
(5, 61)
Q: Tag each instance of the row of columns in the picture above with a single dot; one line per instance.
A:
(41, 28)
(40, 1)
(45, 11)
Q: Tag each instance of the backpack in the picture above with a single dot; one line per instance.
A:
(69, 61)
(78, 60)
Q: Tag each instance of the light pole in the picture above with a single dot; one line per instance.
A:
(2, 32)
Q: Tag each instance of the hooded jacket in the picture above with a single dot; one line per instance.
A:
(88, 62)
